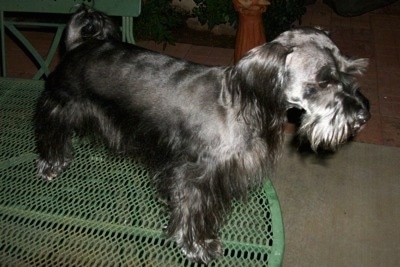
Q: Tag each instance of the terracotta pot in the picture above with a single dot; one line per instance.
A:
(250, 31)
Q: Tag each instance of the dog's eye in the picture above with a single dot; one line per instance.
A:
(323, 84)
(310, 91)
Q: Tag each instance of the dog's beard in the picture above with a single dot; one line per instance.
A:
(327, 131)
(328, 124)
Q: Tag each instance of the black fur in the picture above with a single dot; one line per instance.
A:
(209, 133)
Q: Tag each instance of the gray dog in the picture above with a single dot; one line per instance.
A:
(209, 134)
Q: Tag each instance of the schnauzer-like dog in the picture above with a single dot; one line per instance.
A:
(210, 134)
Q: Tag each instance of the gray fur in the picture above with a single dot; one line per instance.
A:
(210, 134)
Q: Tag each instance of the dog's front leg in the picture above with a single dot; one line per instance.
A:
(196, 213)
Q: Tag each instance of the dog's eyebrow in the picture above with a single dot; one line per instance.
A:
(326, 75)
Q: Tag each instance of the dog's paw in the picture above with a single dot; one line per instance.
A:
(48, 171)
(205, 251)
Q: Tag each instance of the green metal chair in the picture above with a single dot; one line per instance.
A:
(126, 9)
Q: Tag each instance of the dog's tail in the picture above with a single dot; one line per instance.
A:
(87, 24)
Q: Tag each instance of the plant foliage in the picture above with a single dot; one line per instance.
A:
(157, 19)
(278, 18)
(215, 12)
(281, 15)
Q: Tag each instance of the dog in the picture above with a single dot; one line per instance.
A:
(209, 134)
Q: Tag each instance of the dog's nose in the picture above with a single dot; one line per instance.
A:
(361, 119)
(363, 116)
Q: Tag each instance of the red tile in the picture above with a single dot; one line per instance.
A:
(372, 132)
(361, 22)
(341, 33)
(388, 79)
(370, 75)
(390, 104)
(380, 21)
(391, 110)
(363, 34)
(391, 131)
(221, 52)
(387, 61)
(340, 21)
(197, 50)
(387, 50)
(371, 92)
(395, 21)
(384, 36)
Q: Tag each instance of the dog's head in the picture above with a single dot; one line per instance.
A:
(321, 81)
(88, 24)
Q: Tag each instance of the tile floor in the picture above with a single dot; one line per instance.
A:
(375, 35)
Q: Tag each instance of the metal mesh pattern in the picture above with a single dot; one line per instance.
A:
(103, 211)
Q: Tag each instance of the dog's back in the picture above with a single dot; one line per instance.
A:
(88, 24)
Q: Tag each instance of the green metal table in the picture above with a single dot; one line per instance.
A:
(102, 211)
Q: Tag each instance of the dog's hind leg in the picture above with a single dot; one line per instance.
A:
(53, 126)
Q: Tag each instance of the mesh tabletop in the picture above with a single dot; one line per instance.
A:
(102, 211)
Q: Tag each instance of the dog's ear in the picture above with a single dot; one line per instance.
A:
(262, 66)
(355, 66)
(348, 65)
